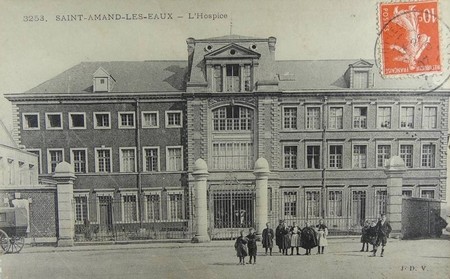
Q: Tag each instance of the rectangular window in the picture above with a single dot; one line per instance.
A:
(247, 78)
(384, 117)
(30, 121)
(150, 119)
(102, 120)
(174, 159)
(232, 155)
(55, 156)
(127, 159)
(153, 207)
(430, 118)
(175, 206)
(407, 117)
(81, 209)
(406, 153)
(129, 208)
(335, 203)
(79, 160)
(290, 203)
(407, 193)
(290, 118)
(336, 118)
(360, 118)
(383, 154)
(312, 203)
(53, 121)
(174, 119)
(233, 81)
(361, 79)
(381, 202)
(77, 120)
(151, 159)
(290, 157)
(335, 157)
(103, 160)
(428, 155)
(360, 156)
(313, 118)
(232, 118)
(313, 157)
(427, 193)
(126, 120)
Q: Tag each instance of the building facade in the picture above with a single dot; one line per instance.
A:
(133, 131)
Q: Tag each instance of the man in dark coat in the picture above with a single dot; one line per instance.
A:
(267, 238)
(279, 235)
(308, 238)
(251, 244)
(383, 229)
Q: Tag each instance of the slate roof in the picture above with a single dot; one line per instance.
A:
(171, 76)
(130, 76)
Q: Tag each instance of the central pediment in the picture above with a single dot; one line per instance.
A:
(232, 51)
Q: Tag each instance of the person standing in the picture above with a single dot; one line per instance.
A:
(241, 248)
(383, 229)
(267, 238)
(251, 244)
(279, 235)
(295, 238)
(286, 239)
(365, 236)
(308, 238)
(322, 233)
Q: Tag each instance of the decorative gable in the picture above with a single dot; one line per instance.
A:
(232, 51)
(359, 75)
(103, 81)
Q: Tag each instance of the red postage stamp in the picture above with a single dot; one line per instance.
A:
(409, 38)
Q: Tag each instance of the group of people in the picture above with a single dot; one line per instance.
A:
(375, 234)
(286, 238)
(290, 237)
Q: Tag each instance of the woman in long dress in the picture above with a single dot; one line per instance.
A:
(308, 238)
(322, 233)
(279, 235)
(286, 239)
(295, 238)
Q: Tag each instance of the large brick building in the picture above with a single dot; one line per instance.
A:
(133, 131)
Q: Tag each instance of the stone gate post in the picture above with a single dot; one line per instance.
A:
(200, 175)
(261, 173)
(395, 169)
(64, 176)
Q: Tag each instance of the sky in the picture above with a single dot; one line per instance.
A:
(33, 52)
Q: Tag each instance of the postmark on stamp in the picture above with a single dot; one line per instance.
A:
(410, 38)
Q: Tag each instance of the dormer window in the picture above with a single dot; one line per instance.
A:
(230, 68)
(103, 81)
(359, 75)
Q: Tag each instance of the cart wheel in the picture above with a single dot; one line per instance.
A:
(4, 241)
(16, 244)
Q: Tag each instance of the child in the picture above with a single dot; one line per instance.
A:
(322, 233)
(241, 248)
(251, 243)
(267, 238)
(308, 238)
(372, 235)
(295, 238)
(365, 236)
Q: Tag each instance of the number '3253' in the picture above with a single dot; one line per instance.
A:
(33, 18)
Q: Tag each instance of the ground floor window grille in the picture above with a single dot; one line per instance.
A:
(153, 207)
(335, 203)
(81, 209)
(176, 206)
(312, 203)
(381, 202)
(290, 203)
(129, 208)
(358, 207)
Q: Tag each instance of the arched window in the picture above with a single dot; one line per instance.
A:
(232, 118)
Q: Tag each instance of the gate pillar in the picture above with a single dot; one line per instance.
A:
(261, 173)
(64, 176)
(200, 175)
(395, 169)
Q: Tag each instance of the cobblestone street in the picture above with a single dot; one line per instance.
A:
(403, 259)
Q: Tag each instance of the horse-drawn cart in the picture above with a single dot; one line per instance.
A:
(13, 228)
